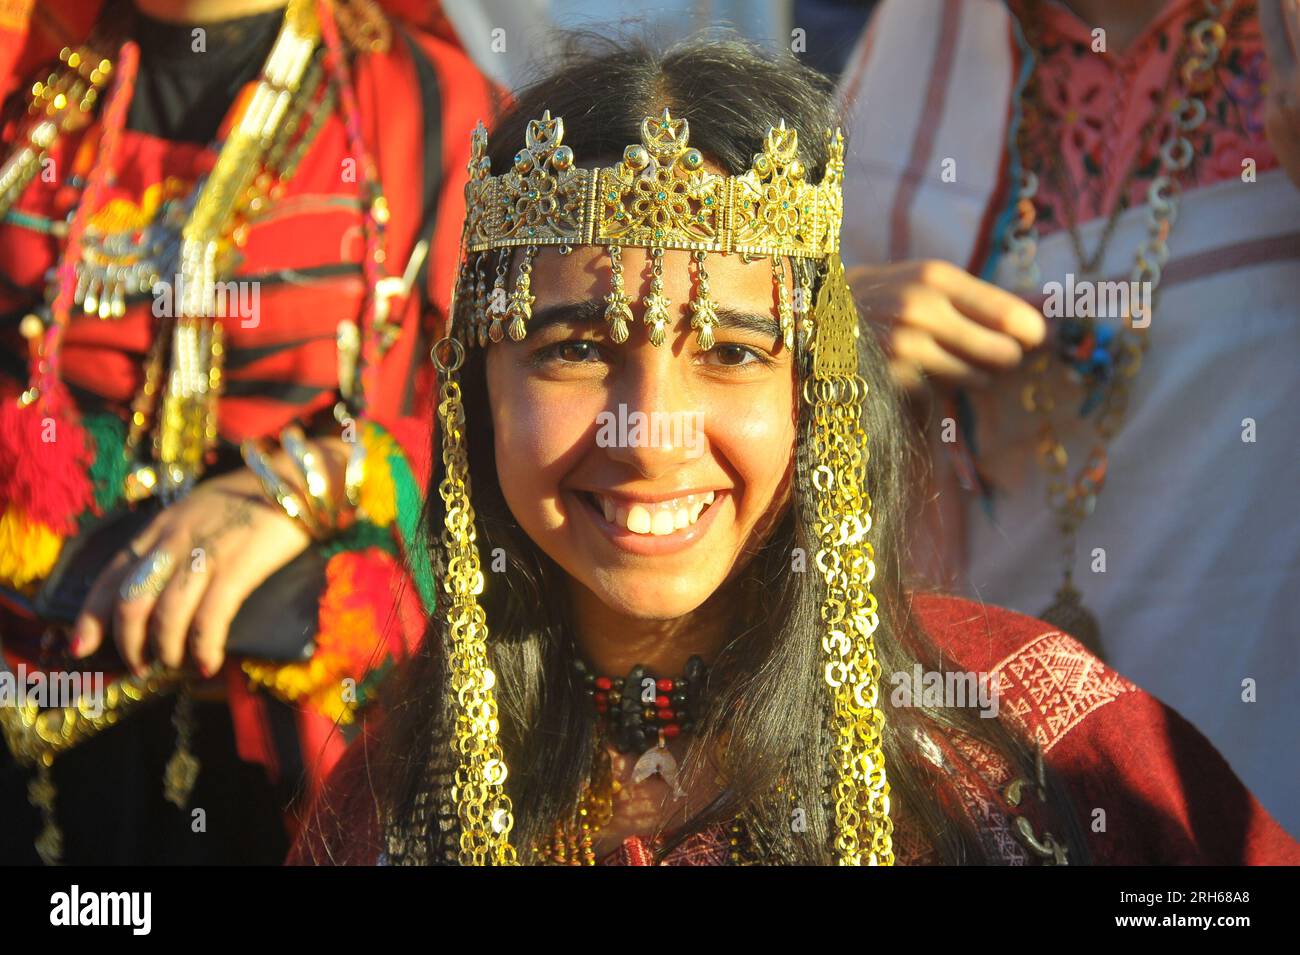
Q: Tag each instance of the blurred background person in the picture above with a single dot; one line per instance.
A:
(210, 499)
(1124, 467)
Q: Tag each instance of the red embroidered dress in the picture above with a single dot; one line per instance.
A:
(1165, 795)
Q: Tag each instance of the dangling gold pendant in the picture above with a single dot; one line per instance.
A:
(1068, 613)
(41, 794)
(180, 776)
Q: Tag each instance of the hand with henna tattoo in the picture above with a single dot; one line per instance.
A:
(221, 542)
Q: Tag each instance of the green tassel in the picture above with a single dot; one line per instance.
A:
(410, 507)
(109, 470)
(359, 536)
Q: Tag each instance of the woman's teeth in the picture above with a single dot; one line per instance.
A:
(658, 519)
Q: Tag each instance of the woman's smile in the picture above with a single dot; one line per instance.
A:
(646, 525)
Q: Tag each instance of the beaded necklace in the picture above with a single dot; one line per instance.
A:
(639, 712)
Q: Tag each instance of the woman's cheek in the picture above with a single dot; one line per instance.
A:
(757, 438)
(538, 441)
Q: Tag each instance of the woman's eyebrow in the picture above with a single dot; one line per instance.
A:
(592, 312)
(743, 321)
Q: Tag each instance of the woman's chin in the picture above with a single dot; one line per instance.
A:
(649, 600)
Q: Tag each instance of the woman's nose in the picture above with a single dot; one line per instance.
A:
(652, 423)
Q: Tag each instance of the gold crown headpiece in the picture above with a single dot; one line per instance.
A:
(659, 197)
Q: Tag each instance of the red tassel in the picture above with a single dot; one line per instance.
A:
(45, 456)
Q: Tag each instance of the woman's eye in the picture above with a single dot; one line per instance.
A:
(570, 352)
(735, 356)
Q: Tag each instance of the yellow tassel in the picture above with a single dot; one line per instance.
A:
(378, 501)
(28, 550)
(316, 681)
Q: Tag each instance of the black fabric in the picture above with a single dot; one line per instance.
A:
(236, 358)
(286, 391)
(183, 94)
(111, 808)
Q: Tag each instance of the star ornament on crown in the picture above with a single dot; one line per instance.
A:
(659, 197)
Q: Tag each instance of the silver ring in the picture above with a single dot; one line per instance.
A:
(148, 577)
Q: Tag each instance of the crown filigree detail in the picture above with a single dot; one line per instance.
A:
(659, 196)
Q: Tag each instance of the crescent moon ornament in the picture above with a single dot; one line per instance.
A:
(659, 760)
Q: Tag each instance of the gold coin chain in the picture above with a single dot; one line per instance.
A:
(482, 806)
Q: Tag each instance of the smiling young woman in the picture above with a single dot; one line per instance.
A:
(697, 651)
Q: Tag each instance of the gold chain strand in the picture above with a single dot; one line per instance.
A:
(62, 103)
(656, 315)
(703, 313)
(845, 558)
(480, 318)
(618, 311)
(482, 806)
(520, 309)
(783, 301)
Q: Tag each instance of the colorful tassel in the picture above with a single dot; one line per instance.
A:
(356, 608)
(28, 550)
(45, 456)
(378, 500)
(108, 472)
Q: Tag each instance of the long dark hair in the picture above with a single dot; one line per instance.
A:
(773, 705)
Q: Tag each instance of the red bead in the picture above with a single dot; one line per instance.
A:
(672, 730)
(600, 696)
(664, 686)
(603, 683)
(666, 716)
(601, 706)
(663, 702)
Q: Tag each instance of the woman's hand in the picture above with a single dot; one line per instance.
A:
(223, 540)
(941, 322)
(1279, 22)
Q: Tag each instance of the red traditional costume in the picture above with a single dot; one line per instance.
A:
(416, 102)
(1147, 786)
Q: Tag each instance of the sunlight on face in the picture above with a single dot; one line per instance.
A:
(606, 453)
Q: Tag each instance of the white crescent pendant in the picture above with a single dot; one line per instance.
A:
(658, 760)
